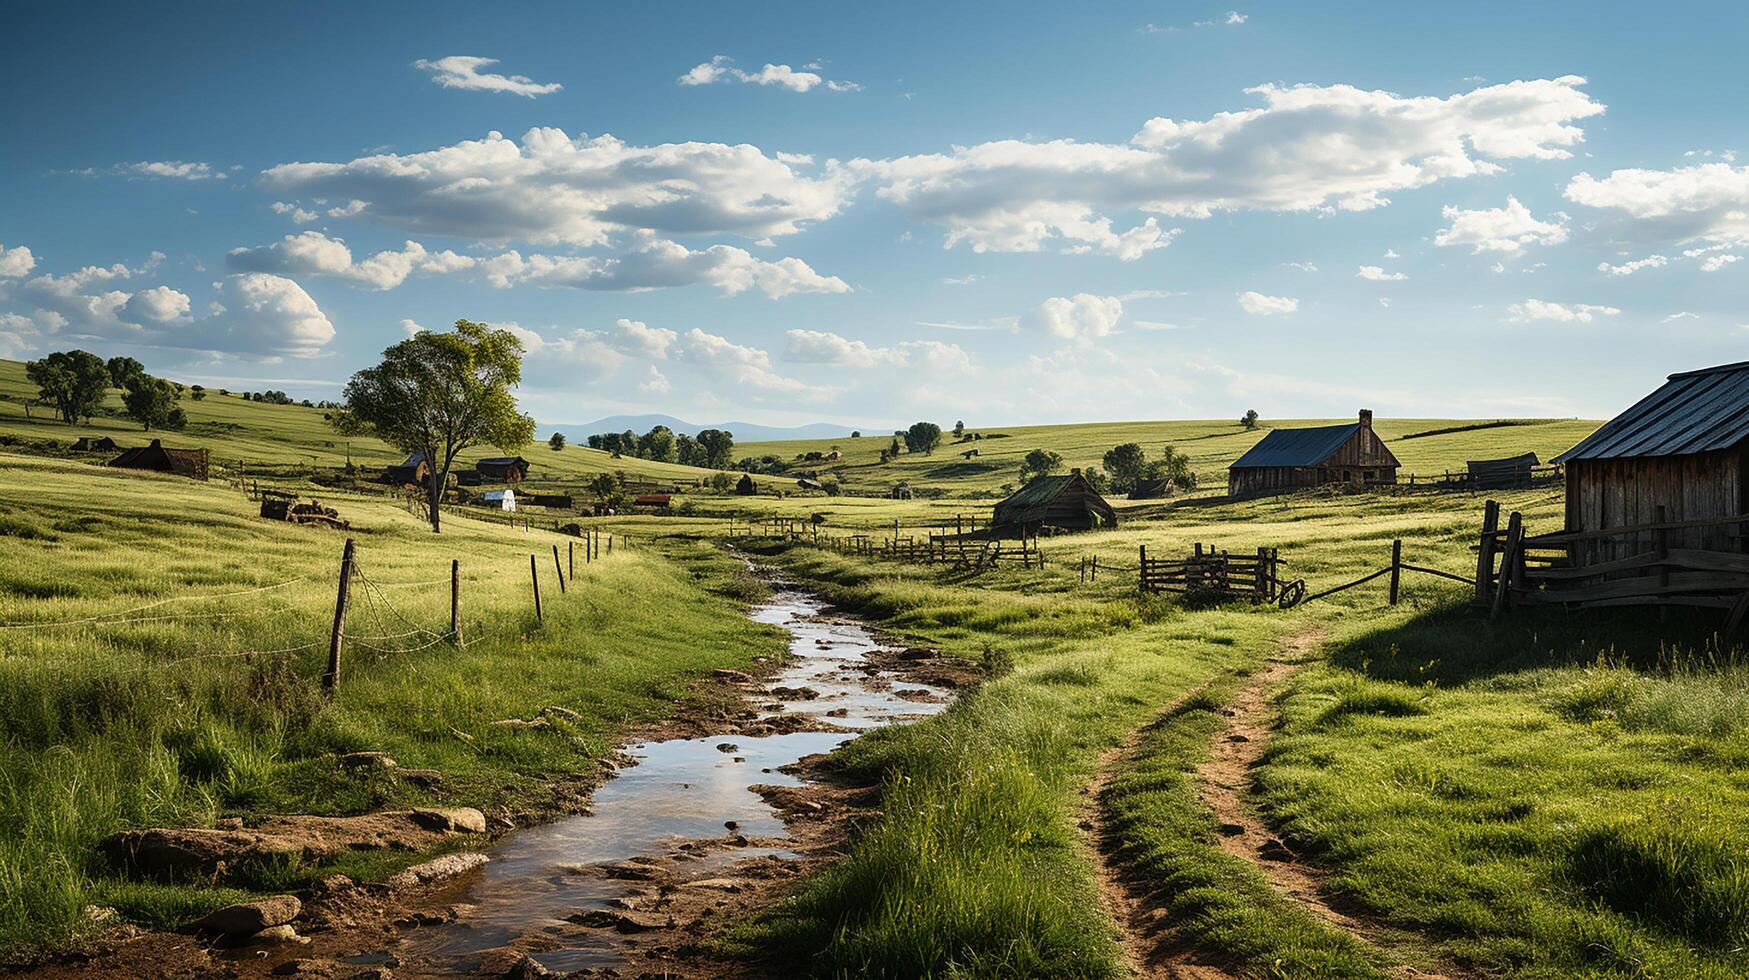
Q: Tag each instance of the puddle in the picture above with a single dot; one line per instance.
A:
(680, 790)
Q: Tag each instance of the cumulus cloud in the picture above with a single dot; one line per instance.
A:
(1378, 274)
(1083, 315)
(1536, 309)
(1717, 262)
(1257, 304)
(463, 72)
(15, 261)
(655, 382)
(552, 189)
(159, 304)
(1636, 265)
(824, 347)
(1506, 229)
(18, 335)
(1709, 202)
(260, 313)
(156, 169)
(297, 214)
(639, 339)
(1309, 147)
(313, 253)
(721, 69)
(749, 367)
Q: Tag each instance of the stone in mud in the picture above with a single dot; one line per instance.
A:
(716, 884)
(794, 693)
(304, 968)
(732, 676)
(838, 713)
(461, 820)
(732, 824)
(917, 653)
(167, 853)
(245, 918)
(626, 921)
(510, 963)
(437, 869)
(726, 747)
(279, 934)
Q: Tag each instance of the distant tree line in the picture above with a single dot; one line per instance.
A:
(710, 449)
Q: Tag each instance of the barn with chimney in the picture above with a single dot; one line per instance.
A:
(1286, 460)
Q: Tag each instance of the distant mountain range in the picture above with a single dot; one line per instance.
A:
(742, 431)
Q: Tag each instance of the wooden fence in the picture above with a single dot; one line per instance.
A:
(1514, 567)
(1460, 481)
(1219, 575)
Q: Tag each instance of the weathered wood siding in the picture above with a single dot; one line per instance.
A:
(1611, 493)
(1363, 459)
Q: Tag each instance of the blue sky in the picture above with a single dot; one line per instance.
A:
(877, 213)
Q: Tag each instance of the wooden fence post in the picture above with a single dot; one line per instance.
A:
(534, 577)
(1396, 568)
(610, 542)
(1508, 557)
(1095, 568)
(1661, 544)
(455, 601)
(331, 679)
(1485, 550)
(558, 569)
(1141, 568)
(1260, 591)
(571, 556)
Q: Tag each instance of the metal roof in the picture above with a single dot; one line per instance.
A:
(1296, 447)
(1694, 412)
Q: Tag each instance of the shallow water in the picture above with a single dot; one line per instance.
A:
(680, 790)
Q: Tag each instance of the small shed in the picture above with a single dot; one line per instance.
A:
(502, 469)
(1151, 489)
(833, 456)
(182, 462)
(1286, 460)
(101, 444)
(498, 499)
(561, 500)
(901, 491)
(654, 501)
(747, 487)
(1067, 502)
(1511, 473)
(1680, 454)
(414, 471)
(808, 483)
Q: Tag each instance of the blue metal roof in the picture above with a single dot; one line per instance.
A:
(1296, 447)
(1694, 412)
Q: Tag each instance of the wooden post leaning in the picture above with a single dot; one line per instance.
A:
(455, 601)
(336, 636)
(534, 577)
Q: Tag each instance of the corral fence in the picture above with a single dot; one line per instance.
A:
(1219, 576)
(1464, 481)
(1633, 565)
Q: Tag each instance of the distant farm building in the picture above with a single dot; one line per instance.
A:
(1512, 473)
(1067, 502)
(1151, 489)
(1292, 459)
(1680, 455)
(654, 501)
(101, 444)
(414, 471)
(502, 469)
(833, 456)
(810, 484)
(746, 487)
(901, 491)
(182, 462)
(498, 499)
(560, 500)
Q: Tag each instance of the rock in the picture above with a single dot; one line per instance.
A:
(422, 778)
(733, 676)
(732, 824)
(100, 914)
(716, 884)
(461, 819)
(335, 884)
(228, 823)
(373, 973)
(838, 713)
(367, 760)
(179, 854)
(1237, 738)
(245, 918)
(918, 653)
(279, 934)
(437, 869)
(794, 693)
(304, 968)
(625, 921)
(728, 747)
(511, 963)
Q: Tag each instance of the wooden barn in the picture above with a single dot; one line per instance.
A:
(1512, 473)
(502, 469)
(1293, 459)
(1151, 489)
(654, 501)
(414, 471)
(98, 444)
(1680, 455)
(1067, 502)
(182, 462)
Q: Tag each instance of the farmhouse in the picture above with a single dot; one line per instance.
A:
(1681, 454)
(1291, 459)
(101, 444)
(498, 499)
(502, 469)
(1067, 502)
(414, 471)
(182, 462)
(1512, 473)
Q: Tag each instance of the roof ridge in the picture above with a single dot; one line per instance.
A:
(1715, 369)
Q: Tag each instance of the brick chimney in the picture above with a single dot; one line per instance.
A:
(1366, 418)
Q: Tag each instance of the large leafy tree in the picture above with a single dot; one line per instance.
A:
(152, 402)
(73, 381)
(1174, 467)
(922, 437)
(1039, 462)
(1125, 464)
(657, 444)
(716, 446)
(122, 370)
(439, 394)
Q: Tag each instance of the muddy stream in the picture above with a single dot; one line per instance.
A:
(688, 801)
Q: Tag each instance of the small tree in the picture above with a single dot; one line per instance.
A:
(893, 449)
(72, 381)
(1249, 419)
(556, 441)
(1125, 464)
(1039, 462)
(856, 434)
(150, 401)
(722, 482)
(1173, 467)
(606, 489)
(440, 393)
(959, 430)
(715, 445)
(197, 392)
(922, 437)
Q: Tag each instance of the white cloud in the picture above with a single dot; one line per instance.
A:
(553, 189)
(18, 335)
(1684, 315)
(347, 210)
(1309, 147)
(937, 357)
(266, 314)
(1302, 266)
(721, 69)
(965, 280)
(167, 169)
(642, 340)
(1629, 268)
(1506, 229)
(723, 360)
(1536, 309)
(1154, 325)
(1708, 202)
(824, 347)
(410, 327)
(661, 264)
(1391, 253)
(159, 304)
(313, 253)
(1717, 262)
(15, 261)
(463, 72)
(1258, 304)
(655, 383)
(1082, 315)
(1378, 274)
(298, 214)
